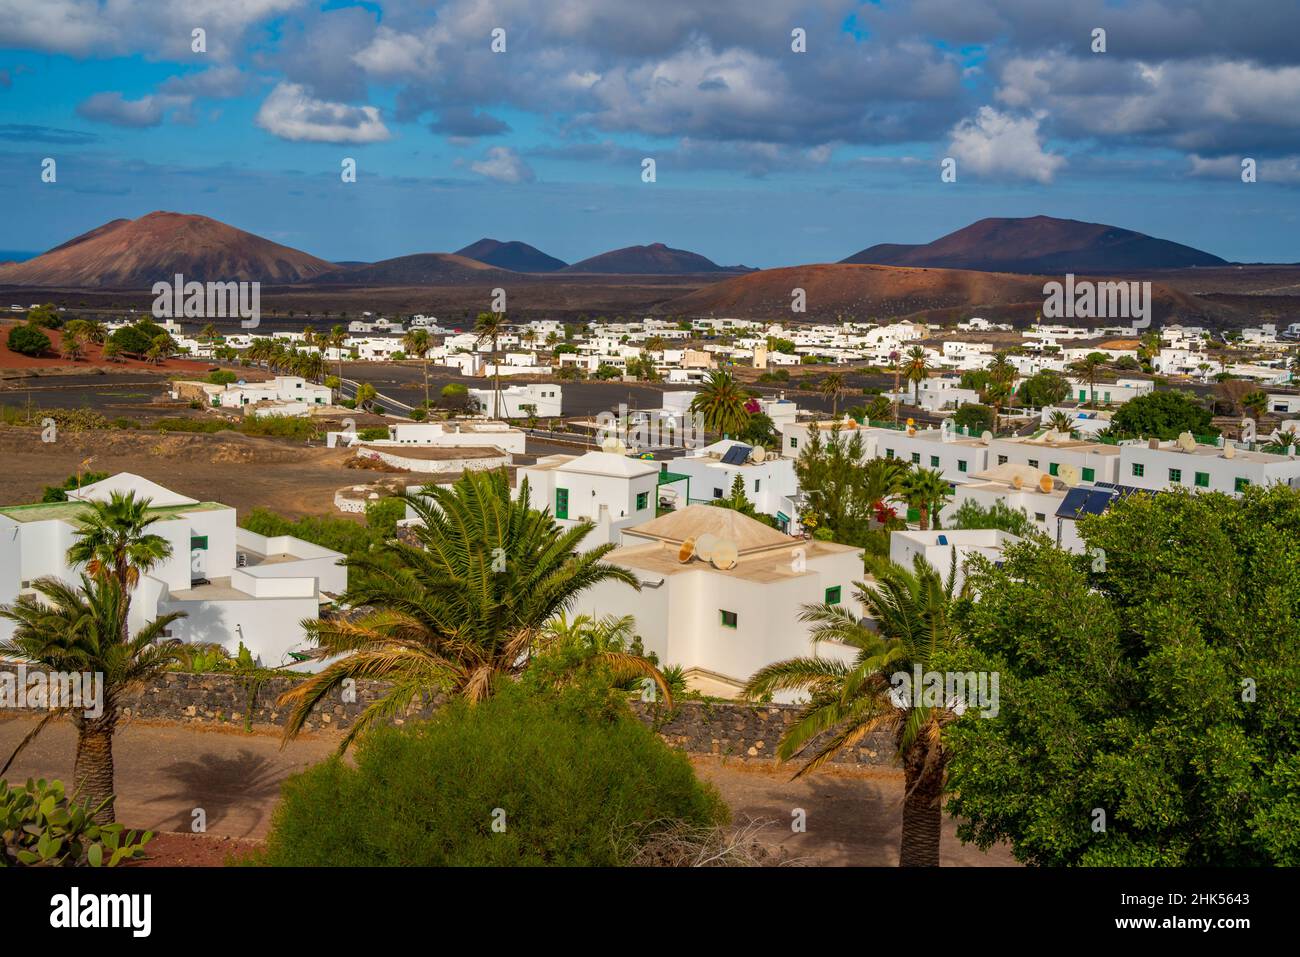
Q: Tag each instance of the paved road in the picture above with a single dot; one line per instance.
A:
(164, 772)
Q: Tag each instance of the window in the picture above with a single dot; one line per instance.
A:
(1202, 479)
(1239, 485)
(1040, 517)
(728, 619)
(916, 458)
(934, 461)
(1139, 469)
(833, 595)
(1033, 463)
(794, 443)
(757, 484)
(1053, 468)
(198, 541)
(889, 453)
(961, 465)
(1002, 460)
(642, 498)
(1089, 474)
(1175, 475)
(717, 493)
(561, 503)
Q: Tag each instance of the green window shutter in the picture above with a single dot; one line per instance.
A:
(641, 499)
(833, 595)
(561, 503)
(1053, 468)
(198, 541)
(1175, 475)
(1089, 474)
(1139, 469)
(916, 458)
(729, 619)
(1202, 479)
(961, 465)
(934, 461)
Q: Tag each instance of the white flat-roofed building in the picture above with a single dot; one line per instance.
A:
(721, 626)
(613, 491)
(1095, 461)
(769, 484)
(546, 399)
(1164, 465)
(937, 548)
(234, 585)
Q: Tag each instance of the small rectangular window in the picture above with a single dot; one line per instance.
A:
(1040, 517)
(1002, 460)
(1175, 475)
(1033, 463)
(1053, 468)
(889, 453)
(1202, 479)
(961, 465)
(717, 493)
(198, 541)
(642, 498)
(1089, 474)
(934, 461)
(833, 595)
(728, 619)
(916, 458)
(1240, 484)
(1139, 469)
(794, 443)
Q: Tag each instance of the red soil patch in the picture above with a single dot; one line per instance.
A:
(93, 357)
(173, 849)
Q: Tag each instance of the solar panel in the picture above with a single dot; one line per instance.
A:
(736, 455)
(1082, 500)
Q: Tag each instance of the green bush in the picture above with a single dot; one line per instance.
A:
(524, 778)
(28, 340)
(222, 377)
(279, 427)
(373, 433)
(59, 493)
(41, 827)
(193, 425)
(132, 340)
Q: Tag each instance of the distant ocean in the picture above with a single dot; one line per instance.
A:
(16, 255)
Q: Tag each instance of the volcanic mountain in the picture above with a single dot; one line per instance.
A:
(653, 260)
(420, 269)
(514, 255)
(869, 292)
(1040, 244)
(136, 253)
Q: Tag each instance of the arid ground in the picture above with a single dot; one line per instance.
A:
(165, 771)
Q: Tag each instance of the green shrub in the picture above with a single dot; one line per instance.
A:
(28, 340)
(222, 377)
(193, 425)
(280, 427)
(372, 433)
(569, 778)
(59, 493)
(41, 827)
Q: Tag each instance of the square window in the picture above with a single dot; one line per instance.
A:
(934, 461)
(1033, 463)
(1202, 479)
(916, 458)
(1175, 475)
(728, 619)
(889, 453)
(961, 465)
(1240, 484)
(642, 498)
(717, 493)
(1002, 460)
(1139, 469)
(833, 595)
(1089, 474)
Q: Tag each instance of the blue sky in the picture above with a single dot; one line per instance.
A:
(765, 156)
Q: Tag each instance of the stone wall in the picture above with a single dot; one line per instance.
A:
(745, 732)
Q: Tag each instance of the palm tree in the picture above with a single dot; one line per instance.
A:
(1255, 403)
(1061, 422)
(832, 387)
(71, 346)
(113, 541)
(895, 366)
(916, 369)
(461, 607)
(70, 629)
(209, 333)
(607, 641)
(337, 337)
(417, 343)
(1088, 367)
(721, 403)
(996, 393)
(909, 625)
(366, 395)
(488, 327)
(927, 491)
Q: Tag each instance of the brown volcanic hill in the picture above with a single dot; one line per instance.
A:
(653, 260)
(136, 253)
(878, 292)
(513, 255)
(419, 269)
(1040, 244)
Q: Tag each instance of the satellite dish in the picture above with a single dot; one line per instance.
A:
(1017, 482)
(687, 551)
(1069, 474)
(1229, 450)
(986, 437)
(759, 454)
(613, 446)
(850, 423)
(725, 554)
(1046, 483)
(1051, 436)
(704, 546)
(1187, 442)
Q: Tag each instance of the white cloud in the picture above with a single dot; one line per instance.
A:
(291, 113)
(996, 143)
(112, 107)
(504, 165)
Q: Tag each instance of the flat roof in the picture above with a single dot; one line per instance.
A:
(70, 511)
(766, 567)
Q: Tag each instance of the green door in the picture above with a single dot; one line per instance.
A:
(561, 503)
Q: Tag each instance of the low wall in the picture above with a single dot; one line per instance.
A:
(745, 732)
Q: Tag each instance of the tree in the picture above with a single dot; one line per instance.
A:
(417, 343)
(1061, 422)
(1000, 515)
(28, 341)
(912, 627)
(1044, 388)
(721, 403)
(338, 337)
(1088, 367)
(916, 369)
(832, 387)
(927, 491)
(161, 349)
(878, 409)
(1158, 687)
(113, 541)
(1163, 414)
(69, 629)
(488, 327)
(583, 643)
(759, 430)
(366, 395)
(974, 418)
(1255, 404)
(460, 607)
(843, 492)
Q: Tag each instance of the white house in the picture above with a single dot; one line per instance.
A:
(1160, 465)
(937, 548)
(545, 398)
(722, 624)
(232, 584)
(447, 435)
(283, 388)
(612, 490)
(770, 483)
